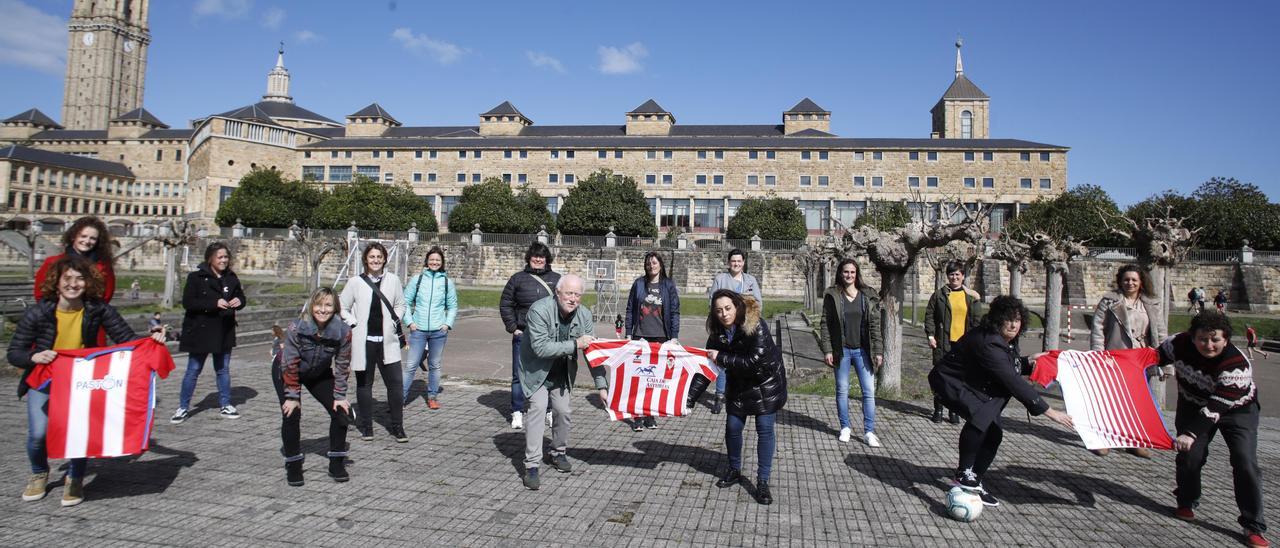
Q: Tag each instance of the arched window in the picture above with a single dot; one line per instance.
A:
(966, 125)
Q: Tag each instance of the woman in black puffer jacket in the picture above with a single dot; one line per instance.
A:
(739, 342)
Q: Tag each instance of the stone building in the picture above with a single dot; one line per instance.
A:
(694, 176)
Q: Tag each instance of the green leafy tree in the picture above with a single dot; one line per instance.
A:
(1227, 212)
(1077, 213)
(776, 219)
(497, 209)
(374, 206)
(265, 200)
(884, 216)
(1159, 204)
(606, 199)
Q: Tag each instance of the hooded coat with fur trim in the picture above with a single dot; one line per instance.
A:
(757, 378)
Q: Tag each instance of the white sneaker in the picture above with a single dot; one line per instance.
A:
(517, 420)
(549, 422)
(229, 412)
(845, 433)
(179, 416)
(871, 439)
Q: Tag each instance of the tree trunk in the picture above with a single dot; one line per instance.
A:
(1159, 277)
(170, 276)
(1015, 281)
(890, 377)
(1053, 305)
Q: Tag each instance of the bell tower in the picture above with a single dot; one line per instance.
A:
(106, 61)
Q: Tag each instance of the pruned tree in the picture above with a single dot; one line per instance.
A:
(893, 250)
(315, 245)
(955, 250)
(1015, 255)
(1056, 253)
(177, 233)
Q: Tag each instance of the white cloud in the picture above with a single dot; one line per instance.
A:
(31, 38)
(421, 44)
(227, 9)
(272, 18)
(539, 59)
(624, 60)
(306, 37)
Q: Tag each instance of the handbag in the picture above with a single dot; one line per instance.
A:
(394, 318)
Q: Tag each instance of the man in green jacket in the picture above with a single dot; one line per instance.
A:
(556, 328)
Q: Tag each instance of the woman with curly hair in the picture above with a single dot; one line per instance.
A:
(88, 238)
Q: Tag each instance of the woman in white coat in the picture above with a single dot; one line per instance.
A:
(372, 305)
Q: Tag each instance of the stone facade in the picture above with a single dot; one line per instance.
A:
(106, 61)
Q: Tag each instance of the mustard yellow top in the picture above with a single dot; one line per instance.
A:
(959, 313)
(69, 327)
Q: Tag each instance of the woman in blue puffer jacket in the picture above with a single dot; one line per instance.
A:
(431, 299)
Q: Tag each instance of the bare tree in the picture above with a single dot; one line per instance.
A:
(179, 233)
(955, 250)
(315, 246)
(1056, 254)
(1015, 255)
(893, 251)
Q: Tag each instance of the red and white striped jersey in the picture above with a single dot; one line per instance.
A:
(101, 400)
(648, 379)
(1107, 396)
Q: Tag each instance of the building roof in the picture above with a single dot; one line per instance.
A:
(649, 107)
(807, 106)
(811, 133)
(373, 110)
(68, 161)
(140, 115)
(34, 116)
(963, 88)
(468, 138)
(277, 109)
(328, 132)
(169, 134)
(71, 135)
(252, 112)
(505, 109)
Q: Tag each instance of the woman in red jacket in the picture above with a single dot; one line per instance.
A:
(88, 237)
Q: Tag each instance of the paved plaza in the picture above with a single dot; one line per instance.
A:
(217, 482)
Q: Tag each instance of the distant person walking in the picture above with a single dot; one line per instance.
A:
(736, 279)
(372, 304)
(952, 311)
(653, 312)
(1220, 300)
(1253, 341)
(851, 342)
(524, 288)
(1127, 317)
(210, 299)
(432, 309)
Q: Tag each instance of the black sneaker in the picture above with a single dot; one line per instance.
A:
(968, 480)
(637, 425)
(717, 404)
(732, 477)
(366, 433)
(531, 481)
(560, 463)
(179, 416)
(763, 496)
(651, 423)
(397, 432)
(987, 499)
(293, 473)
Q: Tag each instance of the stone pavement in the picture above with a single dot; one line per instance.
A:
(216, 482)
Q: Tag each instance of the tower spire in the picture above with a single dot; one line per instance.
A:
(278, 80)
(280, 56)
(959, 62)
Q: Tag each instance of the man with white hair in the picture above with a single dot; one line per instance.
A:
(556, 328)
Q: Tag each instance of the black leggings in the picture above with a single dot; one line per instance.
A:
(321, 388)
(978, 448)
(392, 377)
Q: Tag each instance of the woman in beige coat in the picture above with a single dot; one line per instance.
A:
(1128, 317)
(373, 317)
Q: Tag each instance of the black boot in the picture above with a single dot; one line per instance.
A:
(732, 477)
(717, 404)
(763, 496)
(952, 417)
(937, 414)
(293, 473)
(338, 469)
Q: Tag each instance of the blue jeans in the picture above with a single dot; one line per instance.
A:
(866, 380)
(766, 442)
(221, 367)
(517, 392)
(430, 343)
(37, 428)
(721, 380)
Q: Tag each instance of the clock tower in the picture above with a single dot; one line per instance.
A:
(106, 61)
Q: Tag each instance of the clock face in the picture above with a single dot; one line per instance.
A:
(88, 39)
(128, 46)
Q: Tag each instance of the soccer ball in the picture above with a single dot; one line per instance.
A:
(963, 505)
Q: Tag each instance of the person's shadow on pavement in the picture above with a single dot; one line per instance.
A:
(138, 474)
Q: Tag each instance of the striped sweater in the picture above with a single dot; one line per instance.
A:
(1216, 385)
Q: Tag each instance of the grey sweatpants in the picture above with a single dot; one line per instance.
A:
(534, 425)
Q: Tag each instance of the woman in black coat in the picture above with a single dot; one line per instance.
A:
(211, 298)
(738, 341)
(977, 378)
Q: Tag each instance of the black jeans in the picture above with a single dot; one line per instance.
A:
(1240, 430)
(978, 448)
(392, 377)
(321, 388)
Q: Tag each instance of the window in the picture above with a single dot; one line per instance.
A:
(462, 178)
(431, 177)
(417, 155)
(770, 180)
(475, 177)
(674, 213)
(859, 180)
(708, 214)
(770, 155)
(666, 179)
(392, 154)
(555, 155)
(1044, 156)
(970, 182)
(753, 155)
(700, 179)
(877, 181)
(553, 178)
(719, 154)
(522, 178)
(823, 180)
(602, 154)
(312, 173)
(177, 155)
(617, 154)
(506, 178)
(1024, 183)
(462, 155)
(988, 182)
(524, 154)
(968, 156)
(702, 155)
(650, 179)
(931, 156)
(913, 155)
(805, 155)
(568, 154)
(506, 155)
(388, 177)
(568, 178)
(913, 182)
(666, 155)
(305, 154)
(966, 125)
(817, 214)
(377, 152)
(447, 203)
(651, 155)
(877, 155)
(159, 155)
(1026, 156)
(822, 155)
(431, 154)
(988, 156)
(859, 155)
(339, 174)
(931, 182)
(717, 180)
(1046, 183)
(806, 180)
(368, 171)
(753, 179)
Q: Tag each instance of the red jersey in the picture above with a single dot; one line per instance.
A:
(648, 379)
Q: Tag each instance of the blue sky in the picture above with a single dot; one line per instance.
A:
(1149, 96)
